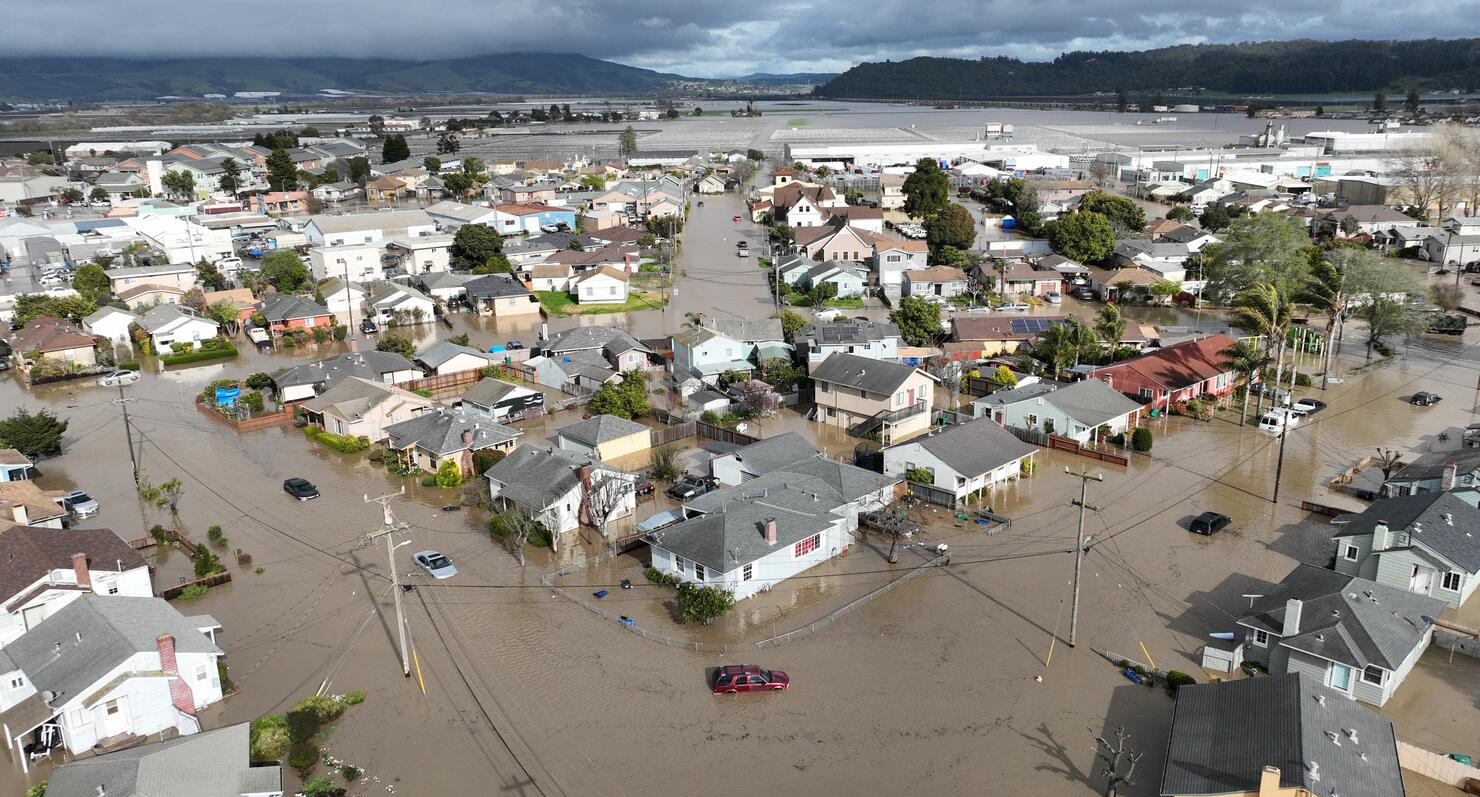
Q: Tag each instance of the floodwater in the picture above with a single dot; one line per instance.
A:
(930, 689)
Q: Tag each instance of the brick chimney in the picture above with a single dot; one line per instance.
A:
(467, 437)
(180, 694)
(1451, 474)
(1293, 607)
(769, 527)
(354, 346)
(79, 566)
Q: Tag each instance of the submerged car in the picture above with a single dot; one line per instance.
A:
(300, 488)
(1209, 523)
(116, 378)
(734, 678)
(80, 504)
(369, 327)
(1307, 406)
(1425, 399)
(436, 565)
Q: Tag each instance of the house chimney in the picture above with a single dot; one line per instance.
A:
(467, 436)
(180, 695)
(585, 473)
(1269, 781)
(79, 566)
(1451, 474)
(1292, 617)
(769, 525)
(354, 346)
(166, 645)
(1380, 536)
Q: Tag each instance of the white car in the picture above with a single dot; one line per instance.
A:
(827, 314)
(1053, 297)
(116, 378)
(1015, 307)
(434, 563)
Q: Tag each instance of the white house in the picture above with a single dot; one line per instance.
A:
(109, 322)
(961, 459)
(716, 345)
(138, 667)
(400, 305)
(876, 340)
(501, 400)
(169, 325)
(337, 192)
(455, 214)
(180, 276)
(551, 485)
(605, 285)
(44, 569)
(182, 240)
(341, 297)
(1425, 543)
(1080, 410)
(299, 382)
(353, 262)
(172, 767)
(365, 228)
(893, 258)
(449, 358)
(424, 254)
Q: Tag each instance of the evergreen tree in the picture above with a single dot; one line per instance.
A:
(282, 174)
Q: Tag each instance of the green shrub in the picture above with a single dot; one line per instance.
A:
(269, 738)
(260, 380)
(355, 698)
(318, 787)
(216, 350)
(483, 460)
(710, 417)
(323, 708)
(704, 604)
(340, 332)
(919, 476)
(39, 790)
(429, 480)
(303, 756)
(206, 563)
(376, 454)
(1177, 679)
(260, 570)
(253, 400)
(1302, 380)
(320, 335)
(128, 366)
(423, 393)
(342, 443)
(160, 535)
(1141, 439)
(1117, 439)
(193, 591)
(660, 578)
(448, 475)
(350, 773)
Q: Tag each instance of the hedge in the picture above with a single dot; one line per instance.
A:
(347, 445)
(199, 355)
(128, 366)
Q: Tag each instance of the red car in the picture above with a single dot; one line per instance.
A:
(734, 678)
(737, 219)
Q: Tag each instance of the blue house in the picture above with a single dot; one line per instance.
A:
(14, 466)
(515, 217)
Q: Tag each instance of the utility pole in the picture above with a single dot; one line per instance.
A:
(388, 528)
(128, 430)
(1112, 756)
(1279, 466)
(1084, 479)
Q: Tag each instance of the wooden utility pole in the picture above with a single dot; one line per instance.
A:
(388, 528)
(1084, 479)
(128, 430)
(1113, 757)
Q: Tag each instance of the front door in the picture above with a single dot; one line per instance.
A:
(1422, 580)
(115, 717)
(1340, 678)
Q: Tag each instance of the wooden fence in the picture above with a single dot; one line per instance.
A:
(710, 432)
(932, 494)
(1054, 442)
(215, 579)
(437, 382)
(672, 434)
(250, 424)
(1322, 509)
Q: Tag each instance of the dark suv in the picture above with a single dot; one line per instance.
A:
(691, 487)
(1209, 523)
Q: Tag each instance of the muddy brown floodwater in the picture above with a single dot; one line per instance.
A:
(931, 689)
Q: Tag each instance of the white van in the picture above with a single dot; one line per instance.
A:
(1278, 420)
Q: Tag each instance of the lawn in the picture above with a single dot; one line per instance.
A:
(844, 304)
(561, 303)
(800, 122)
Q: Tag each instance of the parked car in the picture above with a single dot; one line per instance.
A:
(1267, 390)
(514, 345)
(116, 378)
(436, 565)
(369, 327)
(1424, 398)
(743, 245)
(300, 488)
(1013, 307)
(80, 504)
(690, 487)
(644, 488)
(1053, 297)
(734, 678)
(1307, 406)
(742, 253)
(549, 228)
(827, 314)
(1278, 420)
(1209, 523)
(1084, 294)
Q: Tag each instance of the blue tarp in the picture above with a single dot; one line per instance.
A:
(226, 396)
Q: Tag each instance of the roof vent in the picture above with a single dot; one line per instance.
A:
(1351, 733)
(1334, 737)
(1449, 518)
(1313, 771)
(1321, 700)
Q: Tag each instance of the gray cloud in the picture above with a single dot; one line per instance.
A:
(704, 38)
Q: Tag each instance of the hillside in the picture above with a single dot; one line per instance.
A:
(1295, 67)
(136, 79)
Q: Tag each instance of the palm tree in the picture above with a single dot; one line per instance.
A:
(1263, 310)
(1324, 290)
(1110, 325)
(1246, 359)
(1064, 345)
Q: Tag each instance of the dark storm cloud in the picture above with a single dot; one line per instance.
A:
(705, 37)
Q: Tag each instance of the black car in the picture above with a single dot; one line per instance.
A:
(690, 487)
(1084, 294)
(1209, 523)
(514, 345)
(302, 489)
(1424, 398)
(369, 327)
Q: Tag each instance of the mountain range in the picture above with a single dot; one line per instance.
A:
(117, 79)
(1258, 68)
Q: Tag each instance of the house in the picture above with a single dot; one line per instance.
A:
(943, 281)
(1359, 637)
(25, 504)
(1365, 220)
(1023, 278)
(359, 407)
(1176, 373)
(384, 188)
(1436, 471)
(176, 276)
(445, 286)
(105, 670)
(210, 764)
(605, 285)
(440, 435)
(876, 340)
(605, 437)
(1425, 544)
(891, 191)
(424, 254)
(866, 396)
(1167, 259)
(761, 457)
(962, 459)
(285, 311)
(53, 339)
(400, 305)
(716, 345)
(279, 202)
(15, 466)
(859, 218)
(455, 214)
(530, 218)
(1278, 736)
(145, 296)
(445, 357)
(710, 184)
(798, 205)
(848, 278)
(340, 296)
(353, 262)
(501, 296)
(1456, 242)
(240, 299)
(551, 485)
(836, 242)
(619, 350)
(1192, 238)
(892, 259)
(172, 326)
(978, 337)
(1085, 411)
(581, 369)
(299, 382)
(550, 277)
(43, 569)
(337, 192)
(502, 400)
(109, 322)
(1122, 284)
(365, 228)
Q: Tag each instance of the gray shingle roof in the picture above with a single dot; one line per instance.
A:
(599, 429)
(488, 392)
(774, 453)
(872, 376)
(491, 286)
(162, 315)
(354, 222)
(1224, 734)
(1458, 541)
(535, 476)
(354, 396)
(1347, 619)
(209, 764)
(1091, 402)
(281, 307)
(1032, 390)
(1432, 464)
(370, 365)
(734, 536)
(975, 447)
(443, 351)
(96, 635)
(608, 339)
(444, 279)
(441, 431)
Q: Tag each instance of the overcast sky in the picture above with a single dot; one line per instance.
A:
(704, 38)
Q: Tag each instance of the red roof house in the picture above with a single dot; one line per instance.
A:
(1176, 373)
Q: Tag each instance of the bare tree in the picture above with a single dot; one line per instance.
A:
(1387, 461)
(893, 523)
(605, 494)
(1429, 178)
(761, 403)
(517, 530)
(950, 373)
(1114, 756)
(1461, 147)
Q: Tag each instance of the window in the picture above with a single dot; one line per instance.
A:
(824, 387)
(202, 672)
(1146, 392)
(804, 547)
(678, 563)
(1452, 581)
(18, 682)
(1372, 675)
(1032, 421)
(113, 588)
(1261, 638)
(1350, 554)
(698, 572)
(747, 572)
